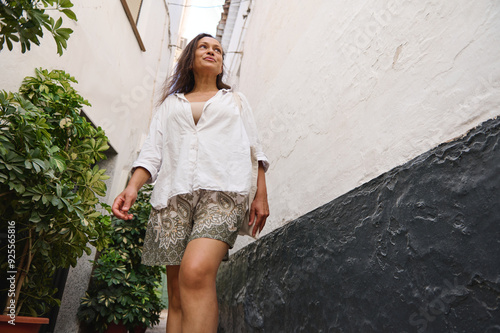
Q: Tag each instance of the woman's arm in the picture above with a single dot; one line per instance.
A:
(145, 168)
(252, 132)
(260, 206)
(126, 199)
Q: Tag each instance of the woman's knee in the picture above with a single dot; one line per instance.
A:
(174, 299)
(196, 275)
(200, 263)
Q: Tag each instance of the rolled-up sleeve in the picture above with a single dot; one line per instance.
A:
(253, 134)
(150, 156)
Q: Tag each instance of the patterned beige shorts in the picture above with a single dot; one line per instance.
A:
(201, 214)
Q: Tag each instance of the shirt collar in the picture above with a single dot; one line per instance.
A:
(224, 91)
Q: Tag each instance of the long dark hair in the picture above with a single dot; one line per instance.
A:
(182, 80)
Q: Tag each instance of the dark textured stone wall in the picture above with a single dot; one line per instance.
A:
(414, 250)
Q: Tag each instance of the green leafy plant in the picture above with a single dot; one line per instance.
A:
(123, 290)
(24, 21)
(49, 184)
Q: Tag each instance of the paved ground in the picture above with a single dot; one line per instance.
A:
(162, 326)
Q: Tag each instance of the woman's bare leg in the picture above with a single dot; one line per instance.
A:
(174, 317)
(200, 310)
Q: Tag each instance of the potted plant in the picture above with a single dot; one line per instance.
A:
(123, 292)
(49, 183)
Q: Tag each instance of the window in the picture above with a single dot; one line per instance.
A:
(133, 9)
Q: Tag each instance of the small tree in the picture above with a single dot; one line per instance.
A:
(123, 290)
(24, 20)
(49, 182)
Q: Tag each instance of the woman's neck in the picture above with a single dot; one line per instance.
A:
(204, 84)
(201, 92)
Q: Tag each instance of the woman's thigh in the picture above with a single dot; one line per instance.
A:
(201, 261)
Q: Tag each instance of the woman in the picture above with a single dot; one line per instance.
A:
(198, 152)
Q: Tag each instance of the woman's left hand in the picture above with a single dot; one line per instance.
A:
(259, 210)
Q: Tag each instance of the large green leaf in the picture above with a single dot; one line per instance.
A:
(58, 162)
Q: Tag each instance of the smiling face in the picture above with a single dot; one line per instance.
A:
(208, 57)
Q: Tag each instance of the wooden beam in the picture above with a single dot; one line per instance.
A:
(133, 24)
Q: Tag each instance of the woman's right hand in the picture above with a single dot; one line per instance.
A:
(123, 202)
(126, 199)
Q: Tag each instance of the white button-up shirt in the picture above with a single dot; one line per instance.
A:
(214, 154)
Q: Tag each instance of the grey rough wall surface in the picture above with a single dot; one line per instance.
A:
(414, 250)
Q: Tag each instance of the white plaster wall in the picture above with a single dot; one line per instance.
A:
(118, 79)
(344, 91)
(233, 39)
(176, 9)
